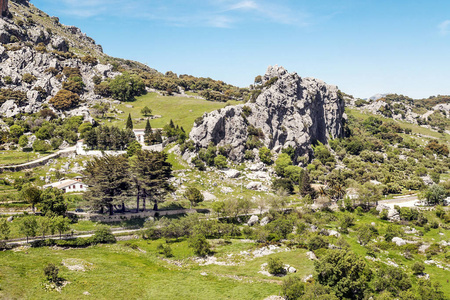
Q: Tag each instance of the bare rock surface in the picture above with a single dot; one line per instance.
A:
(293, 111)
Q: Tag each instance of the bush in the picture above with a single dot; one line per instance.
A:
(8, 80)
(220, 162)
(28, 78)
(275, 266)
(88, 59)
(283, 184)
(51, 272)
(41, 146)
(165, 250)
(316, 242)
(64, 99)
(292, 288)
(200, 245)
(103, 235)
(125, 87)
(265, 155)
(418, 267)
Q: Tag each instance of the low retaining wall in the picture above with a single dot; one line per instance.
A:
(37, 163)
(118, 217)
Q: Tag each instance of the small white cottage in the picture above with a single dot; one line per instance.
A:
(69, 185)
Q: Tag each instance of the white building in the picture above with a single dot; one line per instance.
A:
(140, 135)
(69, 185)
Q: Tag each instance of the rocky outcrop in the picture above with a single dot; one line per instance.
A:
(292, 111)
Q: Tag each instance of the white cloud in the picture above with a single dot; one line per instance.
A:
(444, 27)
(212, 13)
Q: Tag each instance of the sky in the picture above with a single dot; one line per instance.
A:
(364, 47)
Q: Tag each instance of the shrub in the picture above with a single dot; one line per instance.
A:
(65, 99)
(103, 235)
(88, 59)
(51, 272)
(275, 266)
(316, 242)
(283, 184)
(41, 146)
(220, 161)
(165, 250)
(249, 155)
(7, 79)
(28, 78)
(418, 268)
(200, 245)
(265, 155)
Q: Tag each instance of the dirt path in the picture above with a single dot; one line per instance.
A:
(402, 201)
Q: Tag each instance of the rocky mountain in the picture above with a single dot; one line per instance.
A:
(35, 51)
(290, 111)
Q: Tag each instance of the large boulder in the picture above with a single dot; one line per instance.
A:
(292, 111)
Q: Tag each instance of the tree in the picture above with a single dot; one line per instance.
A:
(194, 196)
(364, 234)
(31, 194)
(23, 141)
(152, 173)
(4, 230)
(61, 224)
(283, 184)
(52, 202)
(305, 185)
(283, 161)
(218, 207)
(101, 109)
(28, 226)
(129, 124)
(103, 235)
(16, 131)
(133, 147)
(369, 193)
(292, 288)
(148, 132)
(109, 180)
(146, 111)
(346, 273)
(125, 87)
(45, 225)
(64, 99)
(435, 194)
(84, 128)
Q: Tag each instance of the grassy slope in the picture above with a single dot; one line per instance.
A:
(139, 275)
(183, 111)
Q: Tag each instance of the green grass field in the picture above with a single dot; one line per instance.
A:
(183, 111)
(15, 157)
(120, 272)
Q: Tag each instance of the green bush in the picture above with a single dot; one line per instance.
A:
(265, 155)
(418, 267)
(275, 266)
(220, 162)
(103, 235)
(200, 245)
(51, 272)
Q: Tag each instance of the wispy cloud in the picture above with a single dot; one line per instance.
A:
(211, 13)
(444, 27)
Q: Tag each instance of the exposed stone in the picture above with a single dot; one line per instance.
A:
(264, 221)
(232, 173)
(293, 111)
(311, 255)
(399, 241)
(253, 220)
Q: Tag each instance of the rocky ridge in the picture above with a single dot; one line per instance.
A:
(33, 43)
(290, 111)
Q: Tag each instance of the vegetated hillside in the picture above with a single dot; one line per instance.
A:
(39, 57)
(433, 112)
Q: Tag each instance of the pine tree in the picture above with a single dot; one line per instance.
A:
(305, 185)
(129, 122)
(152, 176)
(148, 132)
(109, 181)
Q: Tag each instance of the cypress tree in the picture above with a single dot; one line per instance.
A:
(305, 185)
(148, 132)
(129, 122)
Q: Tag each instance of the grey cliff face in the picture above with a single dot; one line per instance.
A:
(293, 111)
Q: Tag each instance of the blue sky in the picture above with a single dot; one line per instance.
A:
(364, 47)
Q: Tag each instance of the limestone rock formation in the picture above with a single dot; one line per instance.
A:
(292, 111)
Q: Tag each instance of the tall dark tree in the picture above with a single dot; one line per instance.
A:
(109, 181)
(148, 132)
(305, 185)
(52, 202)
(31, 194)
(152, 173)
(129, 124)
